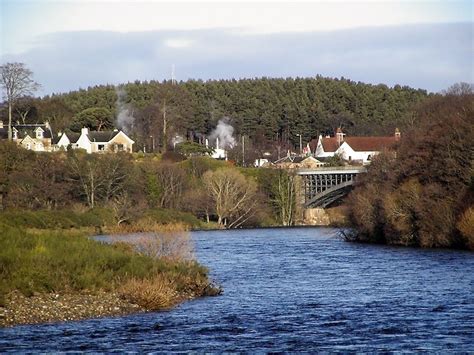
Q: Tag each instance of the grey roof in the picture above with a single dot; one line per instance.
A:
(26, 129)
(102, 136)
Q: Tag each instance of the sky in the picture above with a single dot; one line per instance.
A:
(72, 44)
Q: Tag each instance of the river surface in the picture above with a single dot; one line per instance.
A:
(289, 290)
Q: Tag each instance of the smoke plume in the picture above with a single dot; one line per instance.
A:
(224, 131)
(125, 117)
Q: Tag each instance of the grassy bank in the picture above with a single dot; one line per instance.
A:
(100, 220)
(55, 262)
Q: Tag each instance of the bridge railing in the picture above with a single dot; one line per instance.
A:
(333, 170)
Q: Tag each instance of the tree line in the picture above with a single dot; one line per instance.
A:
(266, 111)
(423, 195)
(131, 185)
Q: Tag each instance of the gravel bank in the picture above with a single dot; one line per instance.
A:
(43, 308)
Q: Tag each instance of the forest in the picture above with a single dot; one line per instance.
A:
(269, 113)
(424, 194)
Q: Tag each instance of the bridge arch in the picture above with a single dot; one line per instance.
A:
(324, 186)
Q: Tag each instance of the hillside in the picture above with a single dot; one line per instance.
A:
(265, 110)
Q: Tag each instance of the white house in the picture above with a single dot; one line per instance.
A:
(96, 141)
(35, 137)
(218, 153)
(360, 149)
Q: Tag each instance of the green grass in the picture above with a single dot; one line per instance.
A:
(95, 218)
(56, 219)
(56, 262)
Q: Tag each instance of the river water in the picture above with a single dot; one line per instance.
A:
(300, 289)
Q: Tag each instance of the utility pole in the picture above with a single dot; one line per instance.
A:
(165, 124)
(243, 150)
(301, 143)
(152, 143)
(173, 78)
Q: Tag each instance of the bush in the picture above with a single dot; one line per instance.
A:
(466, 227)
(153, 294)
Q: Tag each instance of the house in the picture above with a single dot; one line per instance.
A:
(218, 153)
(96, 141)
(357, 149)
(298, 162)
(35, 137)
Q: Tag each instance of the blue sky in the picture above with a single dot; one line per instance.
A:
(70, 44)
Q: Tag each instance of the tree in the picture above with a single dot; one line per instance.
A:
(165, 183)
(233, 196)
(419, 197)
(16, 82)
(284, 197)
(95, 118)
(192, 149)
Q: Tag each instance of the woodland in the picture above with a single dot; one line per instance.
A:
(270, 113)
(423, 195)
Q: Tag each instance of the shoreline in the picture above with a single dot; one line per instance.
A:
(154, 285)
(45, 308)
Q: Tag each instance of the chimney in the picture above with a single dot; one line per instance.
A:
(339, 136)
(217, 143)
(85, 130)
(397, 134)
(207, 143)
(1, 124)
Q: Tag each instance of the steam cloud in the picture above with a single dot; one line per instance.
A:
(224, 131)
(125, 117)
(177, 140)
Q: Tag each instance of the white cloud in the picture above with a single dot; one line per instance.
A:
(178, 43)
(427, 56)
(247, 16)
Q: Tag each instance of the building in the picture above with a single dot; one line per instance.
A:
(218, 153)
(356, 149)
(96, 141)
(298, 162)
(36, 137)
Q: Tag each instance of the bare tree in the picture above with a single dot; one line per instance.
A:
(233, 196)
(16, 82)
(284, 197)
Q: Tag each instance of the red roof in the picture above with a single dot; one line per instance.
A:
(360, 144)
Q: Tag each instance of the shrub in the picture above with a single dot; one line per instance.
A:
(153, 294)
(465, 225)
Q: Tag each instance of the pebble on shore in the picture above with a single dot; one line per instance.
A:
(44, 308)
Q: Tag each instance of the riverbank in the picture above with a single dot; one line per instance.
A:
(57, 307)
(54, 276)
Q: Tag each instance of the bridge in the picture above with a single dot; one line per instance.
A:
(323, 186)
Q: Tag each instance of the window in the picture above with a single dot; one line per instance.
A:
(101, 147)
(39, 133)
(120, 147)
(15, 134)
(350, 158)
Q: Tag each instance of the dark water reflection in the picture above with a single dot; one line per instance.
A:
(293, 290)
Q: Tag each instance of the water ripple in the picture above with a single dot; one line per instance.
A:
(289, 290)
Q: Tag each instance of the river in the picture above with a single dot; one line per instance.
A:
(300, 289)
